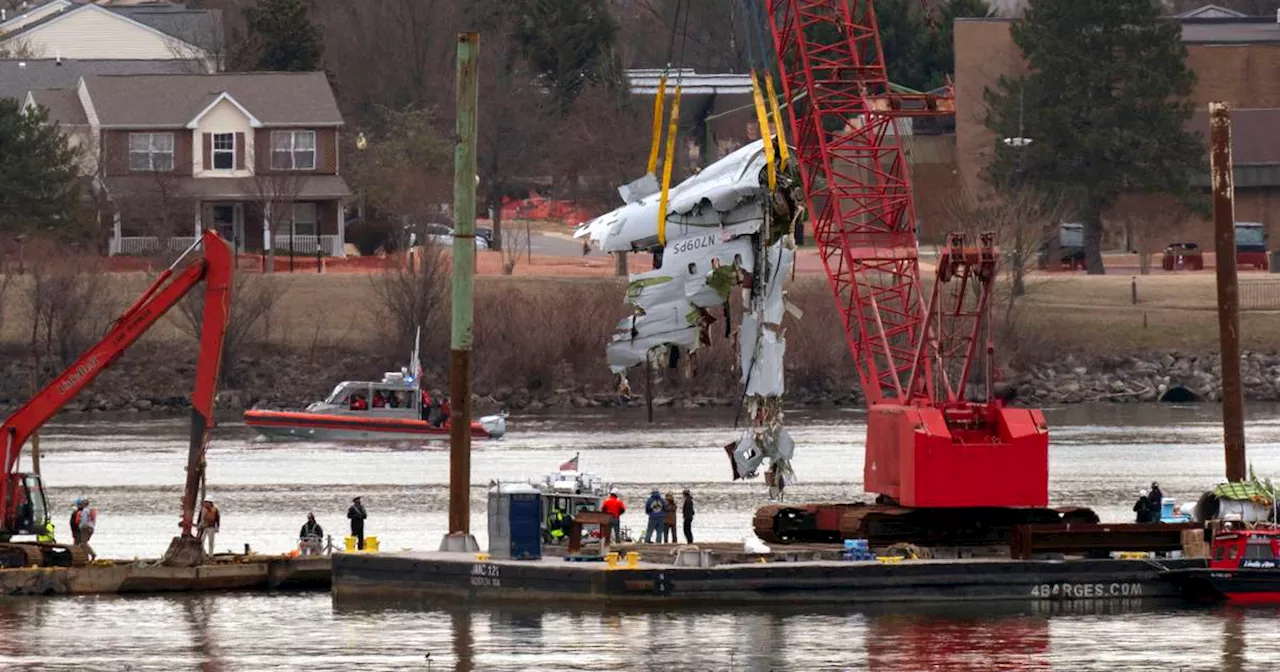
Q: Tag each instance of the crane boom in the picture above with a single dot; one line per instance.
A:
(215, 270)
(946, 459)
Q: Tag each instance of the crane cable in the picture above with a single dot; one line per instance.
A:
(756, 57)
(778, 127)
(661, 97)
(672, 128)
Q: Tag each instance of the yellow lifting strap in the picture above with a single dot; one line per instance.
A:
(766, 135)
(783, 152)
(666, 168)
(657, 125)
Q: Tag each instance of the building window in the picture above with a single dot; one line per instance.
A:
(304, 219)
(151, 152)
(224, 151)
(293, 150)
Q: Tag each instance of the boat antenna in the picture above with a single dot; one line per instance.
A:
(415, 364)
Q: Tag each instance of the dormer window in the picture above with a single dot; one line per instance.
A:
(224, 151)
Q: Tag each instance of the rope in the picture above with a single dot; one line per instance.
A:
(660, 99)
(672, 129)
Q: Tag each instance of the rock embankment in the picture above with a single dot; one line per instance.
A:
(1143, 378)
(158, 382)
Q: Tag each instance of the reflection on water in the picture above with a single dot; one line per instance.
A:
(1100, 457)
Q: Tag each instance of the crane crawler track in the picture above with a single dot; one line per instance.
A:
(14, 555)
(886, 524)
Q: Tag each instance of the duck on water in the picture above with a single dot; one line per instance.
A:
(395, 408)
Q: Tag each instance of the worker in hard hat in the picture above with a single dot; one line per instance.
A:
(614, 507)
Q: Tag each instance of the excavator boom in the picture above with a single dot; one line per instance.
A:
(215, 269)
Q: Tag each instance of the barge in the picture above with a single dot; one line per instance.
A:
(434, 577)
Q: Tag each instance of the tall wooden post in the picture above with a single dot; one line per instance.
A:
(464, 245)
(1224, 227)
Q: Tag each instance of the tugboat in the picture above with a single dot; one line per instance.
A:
(1244, 567)
(388, 410)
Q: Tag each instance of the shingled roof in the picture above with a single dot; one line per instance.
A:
(173, 101)
(20, 75)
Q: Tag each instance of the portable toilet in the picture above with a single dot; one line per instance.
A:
(515, 521)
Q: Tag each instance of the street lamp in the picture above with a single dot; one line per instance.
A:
(1017, 143)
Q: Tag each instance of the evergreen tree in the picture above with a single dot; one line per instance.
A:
(282, 38)
(919, 49)
(569, 43)
(38, 188)
(1105, 105)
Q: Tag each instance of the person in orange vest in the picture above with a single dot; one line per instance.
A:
(615, 508)
(358, 403)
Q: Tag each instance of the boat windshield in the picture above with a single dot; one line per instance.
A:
(336, 396)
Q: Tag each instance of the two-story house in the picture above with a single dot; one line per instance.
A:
(254, 155)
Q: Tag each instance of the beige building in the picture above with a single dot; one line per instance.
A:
(1236, 60)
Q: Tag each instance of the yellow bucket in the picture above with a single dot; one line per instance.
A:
(611, 559)
(371, 544)
(351, 544)
(482, 556)
(633, 559)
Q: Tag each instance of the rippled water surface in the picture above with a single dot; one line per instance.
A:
(1101, 457)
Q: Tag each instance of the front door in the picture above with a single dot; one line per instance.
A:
(228, 221)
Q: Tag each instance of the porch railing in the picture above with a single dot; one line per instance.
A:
(138, 246)
(330, 245)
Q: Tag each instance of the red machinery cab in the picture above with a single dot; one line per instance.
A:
(1257, 548)
(30, 510)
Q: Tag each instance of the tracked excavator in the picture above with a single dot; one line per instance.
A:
(25, 508)
(949, 462)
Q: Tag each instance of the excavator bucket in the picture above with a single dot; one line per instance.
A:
(184, 552)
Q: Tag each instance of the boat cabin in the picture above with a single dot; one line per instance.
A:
(395, 392)
(1247, 548)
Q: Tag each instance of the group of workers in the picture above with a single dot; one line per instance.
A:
(434, 408)
(660, 512)
(1149, 506)
(311, 537)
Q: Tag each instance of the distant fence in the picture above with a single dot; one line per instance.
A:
(1260, 294)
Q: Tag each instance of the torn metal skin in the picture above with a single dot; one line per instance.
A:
(724, 231)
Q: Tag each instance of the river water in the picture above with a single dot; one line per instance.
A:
(1101, 456)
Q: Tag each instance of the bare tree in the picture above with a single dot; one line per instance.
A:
(253, 297)
(518, 244)
(412, 296)
(275, 193)
(68, 304)
(1020, 219)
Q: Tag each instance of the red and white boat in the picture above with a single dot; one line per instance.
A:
(387, 410)
(1244, 568)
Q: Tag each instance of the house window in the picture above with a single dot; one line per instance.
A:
(293, 150)
(304, 219)
(224, 151)
(151, 152)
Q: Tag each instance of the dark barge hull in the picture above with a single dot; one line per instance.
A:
(454, 577)
(1237, 586)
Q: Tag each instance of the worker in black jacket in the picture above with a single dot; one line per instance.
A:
(357, 515)
(688, 517)
(311, 536)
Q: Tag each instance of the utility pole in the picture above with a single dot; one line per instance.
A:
(1224, 226)
(464, 266)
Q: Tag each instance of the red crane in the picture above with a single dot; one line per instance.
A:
(24, 509)
(946, 458)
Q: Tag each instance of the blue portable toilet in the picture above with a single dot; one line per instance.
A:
(515, 521)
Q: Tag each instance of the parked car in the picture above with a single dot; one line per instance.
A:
(1070, 247)
(439, 234)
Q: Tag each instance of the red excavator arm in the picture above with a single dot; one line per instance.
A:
(215, 270)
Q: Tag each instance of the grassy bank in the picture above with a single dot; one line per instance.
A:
(547, 335)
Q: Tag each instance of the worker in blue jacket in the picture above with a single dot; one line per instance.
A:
(656, 507)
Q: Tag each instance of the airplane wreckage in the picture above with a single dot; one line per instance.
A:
(722, 230)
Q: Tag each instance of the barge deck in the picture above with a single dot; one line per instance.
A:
(226, 573)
